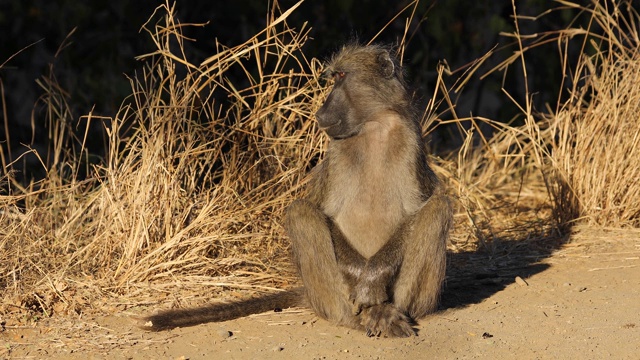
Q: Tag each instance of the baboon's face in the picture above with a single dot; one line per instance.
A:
(337, 116)
(365, 82)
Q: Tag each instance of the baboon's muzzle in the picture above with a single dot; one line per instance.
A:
(324, 120)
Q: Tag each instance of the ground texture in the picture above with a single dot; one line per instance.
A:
(579, 301)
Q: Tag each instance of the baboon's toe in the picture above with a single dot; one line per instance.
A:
(386, 320)
(400, 328)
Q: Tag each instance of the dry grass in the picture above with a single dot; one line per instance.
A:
(595, 135)
(200, 167)
(585, 152)
(188, 187)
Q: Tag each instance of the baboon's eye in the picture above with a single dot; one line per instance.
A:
(332, 77)
(338, 75)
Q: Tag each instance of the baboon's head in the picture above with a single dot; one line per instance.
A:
(367, 81)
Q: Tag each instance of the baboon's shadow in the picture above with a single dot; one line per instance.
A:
(475, 276)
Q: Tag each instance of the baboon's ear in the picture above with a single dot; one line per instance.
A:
(386, 65)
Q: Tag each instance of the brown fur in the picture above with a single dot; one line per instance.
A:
(369, 240)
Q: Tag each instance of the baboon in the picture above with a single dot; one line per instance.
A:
(369, 239)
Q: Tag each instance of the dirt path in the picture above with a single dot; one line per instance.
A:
(583, 302)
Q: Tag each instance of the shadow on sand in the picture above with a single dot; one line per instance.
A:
(474, 276)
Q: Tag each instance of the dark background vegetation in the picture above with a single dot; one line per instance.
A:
(90, 47)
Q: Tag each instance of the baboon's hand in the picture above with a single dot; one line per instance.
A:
(372, 285)
(368, 293)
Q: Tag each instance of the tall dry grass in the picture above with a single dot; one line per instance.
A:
(200, 166)
(582, 155)
(594, 136)
(198, 171)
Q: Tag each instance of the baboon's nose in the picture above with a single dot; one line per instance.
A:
(321, 118)
(324, 121)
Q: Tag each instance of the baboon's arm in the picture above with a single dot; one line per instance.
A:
(379, 274)
(350, 262)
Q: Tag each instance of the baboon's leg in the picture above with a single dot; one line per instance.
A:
(314, 256)
(417, 288)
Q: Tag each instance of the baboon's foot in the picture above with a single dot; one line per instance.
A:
(386, 320)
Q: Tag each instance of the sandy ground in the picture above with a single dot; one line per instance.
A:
(581, 301)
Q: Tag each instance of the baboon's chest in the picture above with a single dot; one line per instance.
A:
(369, 214)
(370, 197)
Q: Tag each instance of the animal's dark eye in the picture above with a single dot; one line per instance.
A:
(332, 77)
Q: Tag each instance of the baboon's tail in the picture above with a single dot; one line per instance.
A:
(170, 319)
